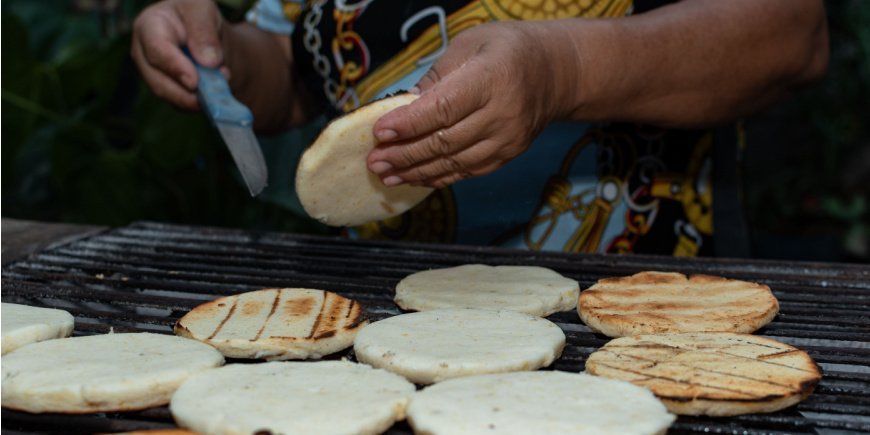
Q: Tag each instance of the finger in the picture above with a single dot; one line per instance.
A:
(443, 142)
(203, 22)
(161, 52)
(463, 164)
(163, 85)
(453, 98)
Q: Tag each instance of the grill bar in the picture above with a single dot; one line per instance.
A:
(144, 276)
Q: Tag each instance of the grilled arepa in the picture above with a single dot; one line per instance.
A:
(275, 324)
(663, 302)
(712, 373)
(333, 182)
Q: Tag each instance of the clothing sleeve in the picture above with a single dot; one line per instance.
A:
(275, 16)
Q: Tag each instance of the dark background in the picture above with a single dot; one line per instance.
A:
(84, 141)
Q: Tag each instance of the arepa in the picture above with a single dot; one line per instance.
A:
(431, 346)
(333, 182)
(23, 324)
(324, 397)
(710, 373)
(528, 289)
(275, 324)
(101, 373)
(661, 302)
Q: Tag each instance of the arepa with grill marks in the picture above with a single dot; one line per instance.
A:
(710, 373)
(275, 324)
(666, 302)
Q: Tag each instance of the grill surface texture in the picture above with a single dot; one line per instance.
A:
(143, 277)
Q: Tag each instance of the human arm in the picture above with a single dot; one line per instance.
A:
(691, 64)
(259, 64)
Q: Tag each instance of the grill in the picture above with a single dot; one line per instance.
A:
(145, 276)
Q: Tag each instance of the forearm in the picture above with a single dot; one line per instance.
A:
(262, 76)
(693, 63)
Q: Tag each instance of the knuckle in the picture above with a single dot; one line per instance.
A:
(450, 164)
(443, 107)
(439, 143)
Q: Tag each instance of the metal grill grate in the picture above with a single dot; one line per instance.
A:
(145, 276)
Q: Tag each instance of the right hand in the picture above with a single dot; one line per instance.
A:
(161, 30)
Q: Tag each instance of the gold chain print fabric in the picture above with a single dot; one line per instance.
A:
(579, 188)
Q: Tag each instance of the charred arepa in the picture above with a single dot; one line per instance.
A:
(710, 373)
(333, 182)
(275, 324)
(23, 324)
(662, 302)
(102, 373)
(324, 397)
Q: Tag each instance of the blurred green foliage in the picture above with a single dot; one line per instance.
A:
(84, 140)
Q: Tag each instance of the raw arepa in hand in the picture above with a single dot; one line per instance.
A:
(528, 289)
(660, 302)
(275, 324)
(333, 181)
(23, 324)
(102, 373)
(710, 373)
(432, 346)
(326, 397)
(544, 402)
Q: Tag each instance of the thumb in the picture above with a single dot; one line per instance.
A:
(202, 22)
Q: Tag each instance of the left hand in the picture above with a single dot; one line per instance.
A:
(481, 104)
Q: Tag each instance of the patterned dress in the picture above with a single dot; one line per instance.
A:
(580, 187)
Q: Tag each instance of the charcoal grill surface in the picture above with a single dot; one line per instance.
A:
(145, 276)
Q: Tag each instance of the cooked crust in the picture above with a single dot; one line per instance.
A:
(275, 324)
(664, 302)
(716, 374)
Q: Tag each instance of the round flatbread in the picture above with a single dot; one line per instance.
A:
(102, 373)
(528, 289)
(275, 324)
(663, 302)
(333, 182)
(712, 373)
(546, 402)
(329, 397)
(432, 346)
(23, 324)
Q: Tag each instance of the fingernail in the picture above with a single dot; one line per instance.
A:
(209, 55)
(392, 180)
(380, 167)
(415, 90)
(386, 135)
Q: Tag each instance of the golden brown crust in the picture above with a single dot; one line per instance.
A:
(275, 323)
(665, 302)
(716, 374)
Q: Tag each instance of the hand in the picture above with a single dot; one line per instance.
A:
(161, 30)
(481, 104)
